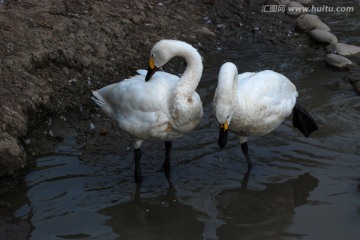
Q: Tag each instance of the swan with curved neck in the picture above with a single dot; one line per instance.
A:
(156, 104)
(254, 104)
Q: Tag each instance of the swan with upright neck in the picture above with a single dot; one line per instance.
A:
(156, 104)
(254, 104)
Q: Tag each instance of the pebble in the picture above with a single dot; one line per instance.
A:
(323, 36)
(206, 31)
(85, 62)
(136, 19)
(343, 49)
(308, 22)
(337, 61)
(139, 5)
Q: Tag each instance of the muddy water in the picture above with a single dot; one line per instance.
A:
(298, 188)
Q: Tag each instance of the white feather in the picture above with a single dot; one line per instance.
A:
(257, 102)
(165, 107)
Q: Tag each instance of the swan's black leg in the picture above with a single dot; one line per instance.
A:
(166, 165)
(137, 156)
(244, 148)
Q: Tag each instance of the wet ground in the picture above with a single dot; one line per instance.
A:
(83, 187)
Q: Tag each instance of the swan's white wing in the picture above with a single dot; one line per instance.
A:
(268, 90)
(264, 100)
(141, 108)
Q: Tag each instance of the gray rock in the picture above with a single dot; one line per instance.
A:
(308, 22)
(343, 49)
(295, 9)
(337, 61)
(323, 36)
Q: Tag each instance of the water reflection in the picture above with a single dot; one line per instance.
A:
(160, 217)
(254, 214)
(239, 212)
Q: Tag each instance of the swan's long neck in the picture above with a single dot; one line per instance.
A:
(228, 82)
(226, 92)
(192, 74)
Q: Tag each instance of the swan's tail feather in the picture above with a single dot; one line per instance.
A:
(102, 103)
(303, 121)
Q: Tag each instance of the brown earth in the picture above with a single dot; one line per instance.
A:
(53, 53)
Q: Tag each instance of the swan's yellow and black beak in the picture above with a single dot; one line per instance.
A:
(151, 70)
(224, 128)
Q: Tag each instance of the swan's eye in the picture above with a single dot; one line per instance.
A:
(227, 117)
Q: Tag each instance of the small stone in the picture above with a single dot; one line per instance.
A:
(65, 70)
(343, 49)
(136, 19)
(308, 22)
(323, 36)
(85, 61)
(38, 59)
(126, 21)
(337, 61)
(295, 9)
(206, 31)
(139, 5)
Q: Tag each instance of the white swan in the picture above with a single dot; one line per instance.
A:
(164, 107)
(254, 104)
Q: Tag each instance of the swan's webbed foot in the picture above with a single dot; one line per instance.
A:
(137, 156)
(244, 148)
(303, 121)
(166, 166)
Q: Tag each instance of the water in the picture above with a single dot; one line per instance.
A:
(298, 188)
